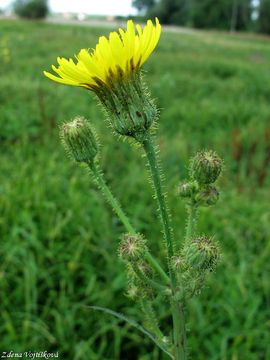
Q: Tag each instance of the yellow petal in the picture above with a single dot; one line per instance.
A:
(128, 49)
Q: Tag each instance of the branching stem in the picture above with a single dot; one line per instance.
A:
(99, 179)
(179, 333)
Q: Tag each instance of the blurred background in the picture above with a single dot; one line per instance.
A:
(210, 75)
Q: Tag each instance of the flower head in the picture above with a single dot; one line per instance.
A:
(118, 56)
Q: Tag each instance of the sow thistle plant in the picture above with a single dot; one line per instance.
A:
(113, 72)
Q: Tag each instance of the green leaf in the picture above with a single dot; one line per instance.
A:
(134, 324)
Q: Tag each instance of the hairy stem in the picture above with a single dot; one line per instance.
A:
(99, 178)
(149, 149)
(179, 331)
(179, 334)
(151, 318)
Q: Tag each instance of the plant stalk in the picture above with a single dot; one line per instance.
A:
(151, 318)
(99, 178)
(179, 334)
(179, 331)
(149, 149)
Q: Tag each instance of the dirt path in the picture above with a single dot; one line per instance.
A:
(112, 24)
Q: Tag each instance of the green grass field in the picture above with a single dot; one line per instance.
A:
(58, 237)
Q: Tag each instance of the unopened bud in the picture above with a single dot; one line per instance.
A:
(188, 189)
(133, 292)
(79, 140)
(202, 253)
(208, 196)
(206, 167)
(132, 247)
(177, 262)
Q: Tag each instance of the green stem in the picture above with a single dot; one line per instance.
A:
(151, 318)
(179, 334)
(99, 178)
(179, 331)
(192, 221)
(164, 213)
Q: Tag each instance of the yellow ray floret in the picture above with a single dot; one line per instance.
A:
(122, 54)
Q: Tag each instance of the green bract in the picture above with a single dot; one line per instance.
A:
(206, 167)
(79, 140)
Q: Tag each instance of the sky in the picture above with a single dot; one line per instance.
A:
(94, 7)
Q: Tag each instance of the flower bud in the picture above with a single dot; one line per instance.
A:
(79, 140)
(206, 167)
(132, 247)
(187, 190)
(208, 196)
(202, 253)
(178, 262)
(133, 292)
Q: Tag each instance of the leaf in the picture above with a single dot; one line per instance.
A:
(134, 324)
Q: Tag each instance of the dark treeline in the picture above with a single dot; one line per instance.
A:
(243, 15)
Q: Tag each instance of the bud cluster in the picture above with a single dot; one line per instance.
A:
(205, 168)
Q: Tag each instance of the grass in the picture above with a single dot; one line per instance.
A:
(58, 238)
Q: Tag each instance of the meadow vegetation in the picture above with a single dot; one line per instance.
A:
(58, 238)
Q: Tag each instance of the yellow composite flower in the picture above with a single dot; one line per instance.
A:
(120, 55)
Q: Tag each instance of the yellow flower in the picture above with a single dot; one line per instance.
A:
(119, 56)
